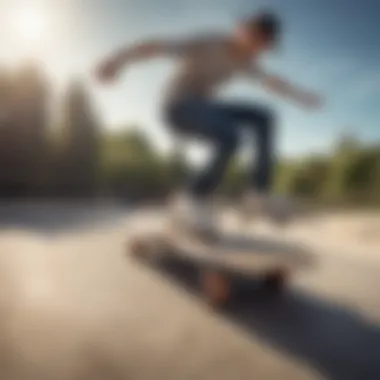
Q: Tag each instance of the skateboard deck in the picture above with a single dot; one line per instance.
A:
(270, 260)
(265, 259)
(230, 252)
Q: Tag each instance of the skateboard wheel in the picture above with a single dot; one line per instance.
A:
(276, 281)
(215, 288)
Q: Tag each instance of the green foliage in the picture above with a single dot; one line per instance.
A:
(304, 178)
(235, 179)
(131, 167)
(350, 175)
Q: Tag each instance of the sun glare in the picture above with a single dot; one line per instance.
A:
(30, 24)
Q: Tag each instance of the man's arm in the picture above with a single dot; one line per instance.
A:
(282, 87)
(112, 65)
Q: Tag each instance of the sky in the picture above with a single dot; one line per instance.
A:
(328, 46)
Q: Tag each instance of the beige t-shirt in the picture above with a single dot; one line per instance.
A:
(206, 63)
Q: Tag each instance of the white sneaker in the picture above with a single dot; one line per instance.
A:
(278, 208)
(193, 215)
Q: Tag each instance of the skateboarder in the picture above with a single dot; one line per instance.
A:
(191, 108)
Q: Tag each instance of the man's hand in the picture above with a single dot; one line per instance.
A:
(108, 70)
(287, 90)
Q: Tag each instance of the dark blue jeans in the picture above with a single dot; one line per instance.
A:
(221, 124)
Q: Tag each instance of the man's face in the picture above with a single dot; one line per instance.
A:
(253, 41)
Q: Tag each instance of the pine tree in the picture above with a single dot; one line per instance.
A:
(24, 94)
(81, 135)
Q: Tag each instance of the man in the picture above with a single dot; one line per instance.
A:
(190, 108)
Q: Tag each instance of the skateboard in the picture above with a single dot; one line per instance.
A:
(218, 263)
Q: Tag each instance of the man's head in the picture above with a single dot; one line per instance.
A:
(259, 33)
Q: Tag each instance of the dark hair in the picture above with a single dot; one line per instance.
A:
(266, 23)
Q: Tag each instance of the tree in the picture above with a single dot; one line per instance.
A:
(338, 182)
(5, 127)
(24, 95)
(362, 176)
(80, 137)
(131, 166)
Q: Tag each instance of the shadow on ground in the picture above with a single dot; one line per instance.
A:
(48, 217)
(334, 340)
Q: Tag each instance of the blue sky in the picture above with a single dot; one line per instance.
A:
(328, 46)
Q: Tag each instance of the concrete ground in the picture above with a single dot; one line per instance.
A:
(74, 305)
